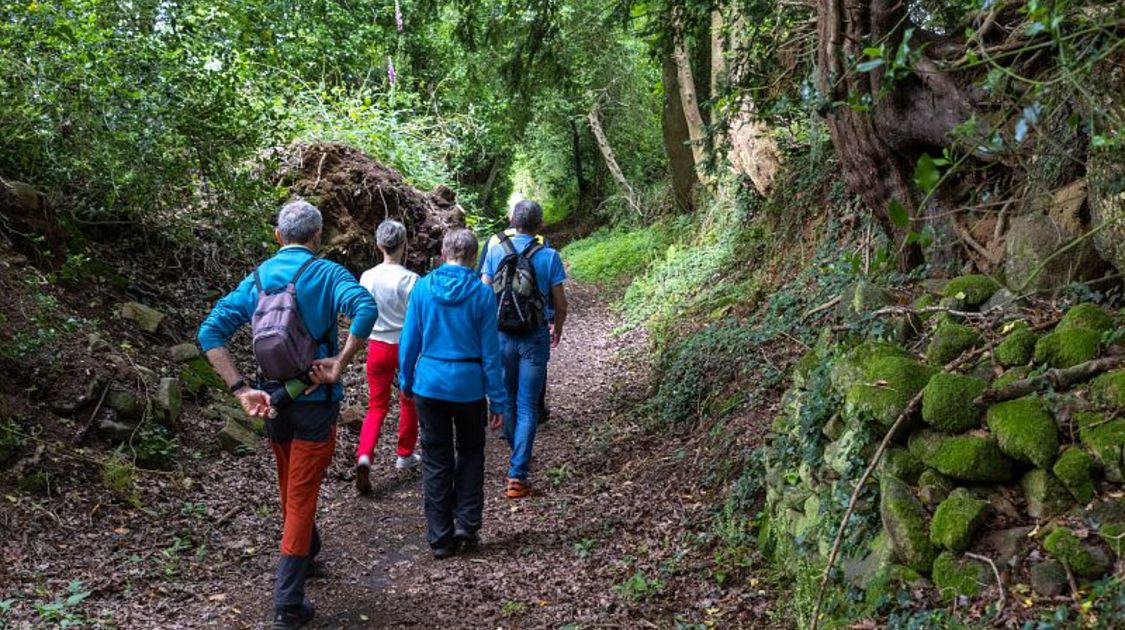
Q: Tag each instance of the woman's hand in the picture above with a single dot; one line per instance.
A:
(255, 402)
(495, 420)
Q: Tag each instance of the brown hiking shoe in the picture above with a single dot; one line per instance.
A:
(363, 479)
(517, 489)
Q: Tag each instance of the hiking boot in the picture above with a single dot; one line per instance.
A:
(363, 475)
(293, 617)
(517, 488)
(448, 551)
(409, 462)
(466, 539)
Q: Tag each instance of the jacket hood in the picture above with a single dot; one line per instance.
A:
(453, 284)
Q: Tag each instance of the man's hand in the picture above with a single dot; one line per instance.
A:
(495, 420)
(255, 402)
(556, 334)
(326, 371)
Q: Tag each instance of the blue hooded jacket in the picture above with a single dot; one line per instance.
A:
(450, 347)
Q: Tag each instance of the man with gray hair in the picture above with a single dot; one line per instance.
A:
(450, 359)
(302, 434)
(525, 266)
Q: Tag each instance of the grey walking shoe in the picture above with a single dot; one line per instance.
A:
(409, 462)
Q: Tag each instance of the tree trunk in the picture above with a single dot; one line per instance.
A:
(676, 138)
(878, 148)
(486, 193)
(753, 150)
(579, 175)
(697, 129)
(610, 160)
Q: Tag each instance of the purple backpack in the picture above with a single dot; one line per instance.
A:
(282, 344)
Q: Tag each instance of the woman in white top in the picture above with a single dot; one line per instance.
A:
(390, 284)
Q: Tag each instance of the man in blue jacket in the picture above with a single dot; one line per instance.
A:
(525, 356)
(302, 434)
(449, 360)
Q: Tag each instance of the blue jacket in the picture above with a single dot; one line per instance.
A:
(450, 349)
(325, 290)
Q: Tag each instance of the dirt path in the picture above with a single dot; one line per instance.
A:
(379, 572)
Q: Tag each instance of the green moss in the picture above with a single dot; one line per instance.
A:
(37, 482)
(947, 403)
(933, 487)
(949, 341)
(1025, 430)
(1113, 534)
(891, 382)
(973, 290)
(1086, 315)
(925, 301)
(851, 368)
(1109, 389)
(804, 365)
(1018, 347)
(197, 375)
(1067, 348)
(1011, 376)
(956, 520)
(1046, 496)
(863, 297)
(1075, 469)
(904, 518)
(1105, 439)
(889, 580)
(954, 576)
(1071, 551)
(898, 462)
(964, 457)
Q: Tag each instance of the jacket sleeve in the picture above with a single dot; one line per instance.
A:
(410, 344)
(490, 354)
(230, 313)
(355, 302)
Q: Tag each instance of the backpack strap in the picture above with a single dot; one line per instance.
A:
(300, 270)
(258, 280)
(531, 250)
(506, 243)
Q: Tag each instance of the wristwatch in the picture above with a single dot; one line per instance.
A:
(239, 384)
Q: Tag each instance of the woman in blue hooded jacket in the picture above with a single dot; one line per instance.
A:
(449, 358)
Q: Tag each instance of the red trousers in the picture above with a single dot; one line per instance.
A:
(382, 364)
(300, 467)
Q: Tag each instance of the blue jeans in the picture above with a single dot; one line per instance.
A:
(524, 358)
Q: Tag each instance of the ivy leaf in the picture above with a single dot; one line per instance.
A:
(868, 66)
(898, 214)
(926, 173)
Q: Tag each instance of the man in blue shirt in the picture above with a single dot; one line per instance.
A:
(525, 356)
(302, 434)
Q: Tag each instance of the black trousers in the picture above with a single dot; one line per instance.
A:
(452, 436)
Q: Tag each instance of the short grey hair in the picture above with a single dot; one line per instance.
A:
(390, 235)
(459, 244)
(298, 222)
(527, 216)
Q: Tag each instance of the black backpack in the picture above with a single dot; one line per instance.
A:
(521, 307)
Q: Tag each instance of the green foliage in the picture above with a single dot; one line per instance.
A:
(64, 611)
(639, 587)
(610, 255)
(119, 477)
(12, 439)
(155, 446)
(954, 576)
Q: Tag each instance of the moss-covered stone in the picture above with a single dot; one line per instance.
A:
(1067, 348)
(904, 518)
(1109, 389)
(851, 367)
(933, 487)
(949, 341)
(973, 289)
(1076, 470)
(1048, 578)
(1011, 376)
(197, 376)
(890, 580)
(1018, 347)
(947, 402)
(891, 382)
(1086, 315)
(1025, 430)
(862, 297)
(1084, 560)
(1113, 535)
(899, 462)
(804, 365)
(964, 457)
(954, 576)
(852, 450)
(957, 520)
(860, 570)
(1105, 440)
(1046, 496)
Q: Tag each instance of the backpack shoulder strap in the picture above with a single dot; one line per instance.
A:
(300, 271)
(506, 243)
(531, 250)
(258, 280)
